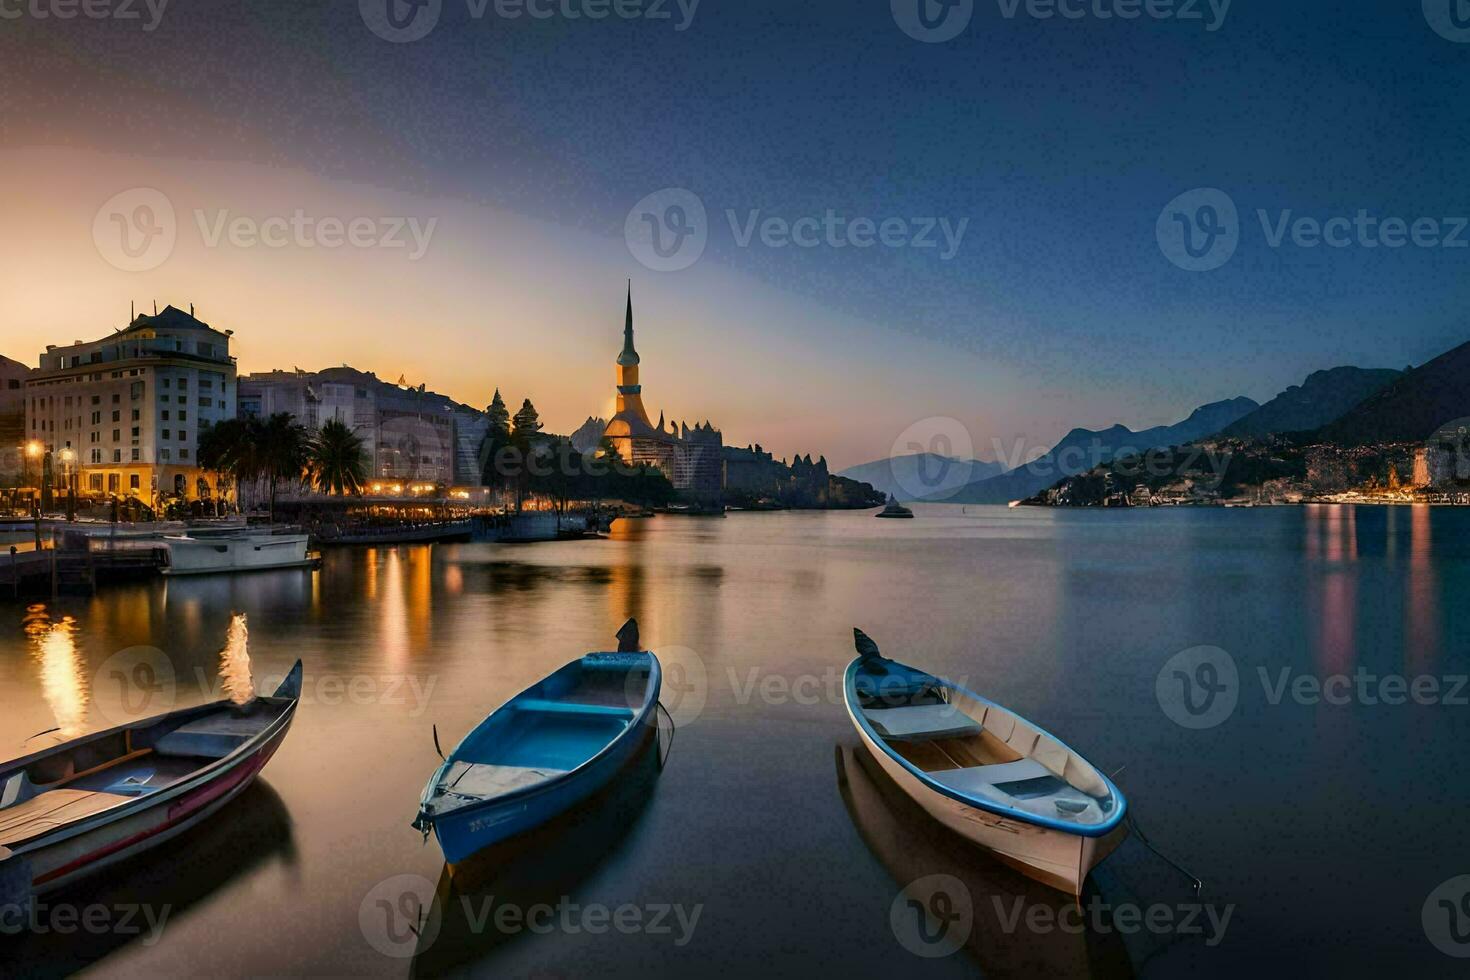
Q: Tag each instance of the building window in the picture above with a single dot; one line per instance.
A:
(117, 435)
(182, 400)
(183, 416)
(135, 418)
(96, 399)
(165, 382)
(116, 416)
(112, 483)
(135, 459)
(95, 479)
(165, 415)
(135, 431)
(116, 458)
(116, 398)
(163, 454)
(96, 418)
(133, 477)
(183, 454)
(137, 390)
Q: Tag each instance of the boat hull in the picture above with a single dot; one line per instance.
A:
(207, 556)
(1051, 857)
(463, 834)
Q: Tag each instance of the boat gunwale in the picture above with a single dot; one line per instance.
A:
(854, 710)
(139, 804)
(635, 724)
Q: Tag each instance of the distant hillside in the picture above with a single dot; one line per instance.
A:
(921, 474)
(1410, 409)
(1322, 398)
(1083, 449)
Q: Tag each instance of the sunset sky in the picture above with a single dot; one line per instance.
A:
(527, 143)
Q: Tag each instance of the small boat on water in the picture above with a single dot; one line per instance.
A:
(543, 751)
(984, 771)
(236, 549)
(894, 509)
(81, 806)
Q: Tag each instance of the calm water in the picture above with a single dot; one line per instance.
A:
(1324, 827)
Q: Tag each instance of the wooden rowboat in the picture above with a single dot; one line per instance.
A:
(78, 807)
(546, 749)
(984, 771)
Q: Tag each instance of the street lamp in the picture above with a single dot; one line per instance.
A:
(68, 456)
(33, 450)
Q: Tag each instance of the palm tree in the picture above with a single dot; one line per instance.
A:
(336, 459)
(282, 446)
(230, 448)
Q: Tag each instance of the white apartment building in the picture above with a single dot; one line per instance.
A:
(129, 407)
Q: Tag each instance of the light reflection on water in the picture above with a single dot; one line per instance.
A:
(63, 676)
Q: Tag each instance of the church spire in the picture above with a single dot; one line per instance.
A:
(629, 356)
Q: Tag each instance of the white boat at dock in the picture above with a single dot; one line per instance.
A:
(202, 551)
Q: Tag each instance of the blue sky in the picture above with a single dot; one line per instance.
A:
(1058, 142)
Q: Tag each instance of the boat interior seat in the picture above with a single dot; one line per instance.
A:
(55, 808)
(922, 722)
(211, 737)
(574, 708)
(984, 777)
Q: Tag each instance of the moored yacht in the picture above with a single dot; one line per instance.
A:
(894, 509)
(236, 549)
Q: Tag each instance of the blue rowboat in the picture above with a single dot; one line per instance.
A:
(543, 751)
(75, 808)
(984, 771)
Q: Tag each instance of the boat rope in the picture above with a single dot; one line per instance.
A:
(673, 730)
(1143, 839)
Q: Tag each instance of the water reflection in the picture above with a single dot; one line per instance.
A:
(540, 867)
(234, 662)
(63, 676)
(912, 846)
(1332, 540)
(1421, 589)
